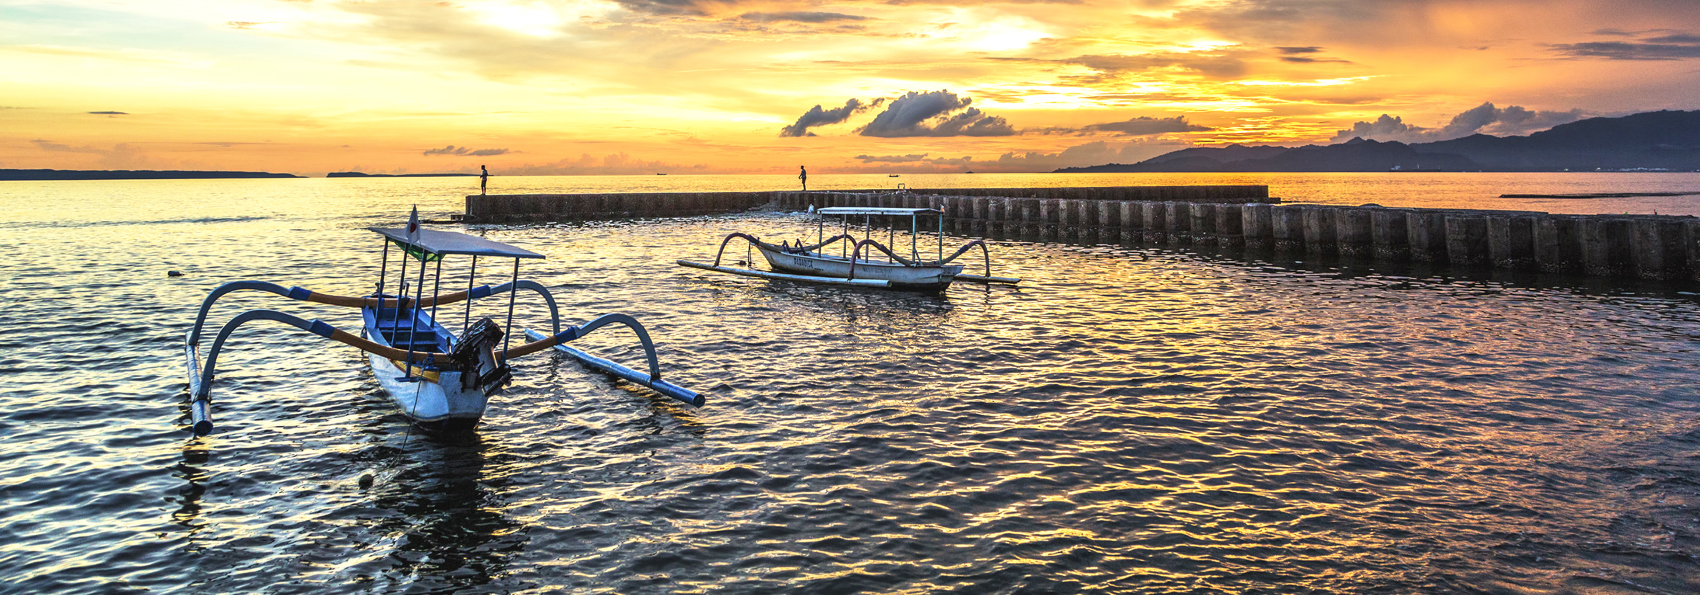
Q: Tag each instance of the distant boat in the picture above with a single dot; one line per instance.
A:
(892, 176)
(811, 264)
(967, 172)
(660, 174)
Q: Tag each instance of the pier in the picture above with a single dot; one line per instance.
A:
(1651, 247)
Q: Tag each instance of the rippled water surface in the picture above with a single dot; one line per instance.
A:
(1127, 420)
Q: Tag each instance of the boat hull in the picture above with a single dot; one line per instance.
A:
(439, 406)
(921, 278)
(436, 401)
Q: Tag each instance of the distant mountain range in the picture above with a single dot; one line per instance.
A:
(1664, 140)
(94, 174)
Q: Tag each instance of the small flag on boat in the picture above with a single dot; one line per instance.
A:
(413, 226)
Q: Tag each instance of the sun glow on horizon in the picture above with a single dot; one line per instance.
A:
(534, 19)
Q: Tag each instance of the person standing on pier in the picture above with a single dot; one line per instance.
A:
(804, 177)
(483, 179)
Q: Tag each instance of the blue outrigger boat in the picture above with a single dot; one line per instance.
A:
(440, 382)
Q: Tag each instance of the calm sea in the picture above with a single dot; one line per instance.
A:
(1126, 420)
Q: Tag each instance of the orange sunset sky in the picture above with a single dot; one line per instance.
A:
(688, 86)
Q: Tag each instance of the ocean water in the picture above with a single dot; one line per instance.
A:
(1125, 420)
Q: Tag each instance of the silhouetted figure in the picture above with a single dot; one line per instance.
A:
(804, 177)
(483, 179)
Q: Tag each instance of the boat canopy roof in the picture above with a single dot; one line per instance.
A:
(441, 243)
(877, 211)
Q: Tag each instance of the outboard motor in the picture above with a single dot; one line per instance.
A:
(475, 355)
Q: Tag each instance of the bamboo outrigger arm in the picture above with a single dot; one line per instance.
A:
(302, 294)
(201, 377)
(652, 380)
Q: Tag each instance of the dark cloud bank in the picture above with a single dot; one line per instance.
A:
(1031, 161)
(799, 17)
(1146, 126)
(1665, 46)
(464, 152)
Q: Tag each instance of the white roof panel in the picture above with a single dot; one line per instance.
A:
(877, 211)
(448, 242)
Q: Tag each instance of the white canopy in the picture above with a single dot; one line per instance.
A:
(877, 211)
(448, 242)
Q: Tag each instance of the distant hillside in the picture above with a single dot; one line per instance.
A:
(1667, 139)
(92, 174)
(1651, 140)
(355, 174)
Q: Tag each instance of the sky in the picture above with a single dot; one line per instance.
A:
(561, 87)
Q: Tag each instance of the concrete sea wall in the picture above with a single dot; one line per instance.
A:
(1648, 247)
(519, 208)
(1624, 246)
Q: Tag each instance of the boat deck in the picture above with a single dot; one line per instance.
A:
(425, 335)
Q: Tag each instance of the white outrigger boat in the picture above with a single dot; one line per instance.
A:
(439, 381)
(849, 267)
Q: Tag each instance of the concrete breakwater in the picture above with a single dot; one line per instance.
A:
(1627, 246)
(513, 208)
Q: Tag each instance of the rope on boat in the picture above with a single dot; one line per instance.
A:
(301, 294)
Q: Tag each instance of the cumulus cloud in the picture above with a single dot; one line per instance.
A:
(613, 164)
(464, 152)
(819, 117)
(1145, 126)
(1484, 119)
(909, 116)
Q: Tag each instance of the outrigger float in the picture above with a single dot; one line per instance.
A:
(810, 263)
(439, 381)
